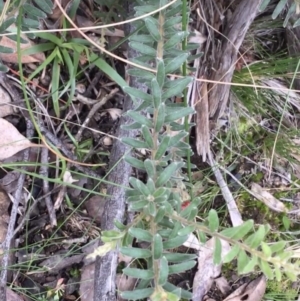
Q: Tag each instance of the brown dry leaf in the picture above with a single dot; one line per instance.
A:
(56, 12)
(12, 296)
(252, 291)
(207, 270)
(86, 288)
(13, 57)
(11, 140)
(5, 103)
(95, 207)
(223, 285)
(114, 113)
(4, 217)
(267, 198)
(124, 283)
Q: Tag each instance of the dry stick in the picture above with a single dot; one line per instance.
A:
(234, 213)
(13, 217)
(106, 266)
(44, 173)
(224, 64)
(94, 109)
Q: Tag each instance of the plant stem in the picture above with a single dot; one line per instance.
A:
(185, 100)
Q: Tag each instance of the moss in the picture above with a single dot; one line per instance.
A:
(257, 177)
(280, 290)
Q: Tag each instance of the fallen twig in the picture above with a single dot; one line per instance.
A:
(235, 216)
(12, 221)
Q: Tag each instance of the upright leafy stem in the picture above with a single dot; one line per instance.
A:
(163, 221)
(166, 145)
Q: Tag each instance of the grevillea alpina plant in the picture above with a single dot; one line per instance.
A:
(163, 221)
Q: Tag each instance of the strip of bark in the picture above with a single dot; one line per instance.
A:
(225, 57)
(105, 271)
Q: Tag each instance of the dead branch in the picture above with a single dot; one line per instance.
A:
(105, 271)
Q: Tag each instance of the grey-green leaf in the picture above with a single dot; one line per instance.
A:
(161, 73)
(279, 8)
(231, 254)
(176, 63)
(240, 231)
(156, 93)
(162, 148)
(33, 11)
(256, 238)
(172, 21)
(249, 267)
(150, 209)
(138, 205)
(161, 212)
(134, 143)
(141, 274)
(182, 112)
(138, 117)
(169, 171)
(177, 87)
(266, 269)
(150, 168)
(137, 294)
(135, 252)
(160, 119)
(186, 230)
(213, 220)
(151, 185)
(174, 40)
(137, 93)
(217, 255)
(177, 138)
(139, 185)
(8, 22)
(278, 246)
(157, 246)
(134, 162)
(263, 5)
(143, 48)
(179, 257)
(147, 136)
(181, 267)
(141, 73)
(152, 26)
(163, 271)
(175, 242)
(44, 5)
(4, 49)
(242, 260)
(140, 234)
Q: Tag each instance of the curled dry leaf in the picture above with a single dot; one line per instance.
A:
(207, 270)
(267, 198)
(13, 57)
(223, 285)
(5, 103)
(11, 140)
(114, 113)
(252, 291)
